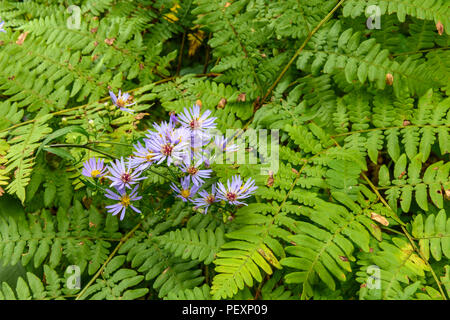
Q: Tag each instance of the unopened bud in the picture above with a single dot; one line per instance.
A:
(241, 97)
(110, 41)
(440, 28)
(222, 103)
(270, 180)
(447, 194)
(389, 79)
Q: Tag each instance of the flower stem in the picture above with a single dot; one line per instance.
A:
(161, 175)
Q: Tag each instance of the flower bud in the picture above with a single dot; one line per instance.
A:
(440, 28)
(222, 103)
(389, 79)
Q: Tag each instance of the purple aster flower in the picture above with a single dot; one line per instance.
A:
(173, 147)
(206, 199)
(143, 157)
(200, 139)
(192, 119)
(124, 201)
(187, 192)
(163, 130)
(236, 190)
(93, 168)
(122, 177)
(173, 118)
(197, 175)
(1, 26)
(121, 101)
(222, 143)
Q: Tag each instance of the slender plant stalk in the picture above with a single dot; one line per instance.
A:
(84, 146)
(285, 69)
(122, 241)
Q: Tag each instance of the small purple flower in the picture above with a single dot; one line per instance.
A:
(124, 201)
(222, 143)
(93, 168)
(143, 157)
(236, 190)
(192, 119)
(197, 175)
(122, 177)
(121, 101)
(187, 192)
(206, 199)
(1, 27)
(163, 130)
(173, 118)
(173, 147)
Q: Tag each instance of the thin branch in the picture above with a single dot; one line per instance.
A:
(321, 23)
(122, 241)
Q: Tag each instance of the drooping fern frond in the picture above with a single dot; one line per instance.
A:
(335, 50)
(405, 181)
(394, 267)
(433, 235)
(81, 237)
(24, 141)
(436, 10)
(325, 252)
(35, 289)
(116, 283)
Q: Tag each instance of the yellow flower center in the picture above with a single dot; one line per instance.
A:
(121, 102)
(192, 170)
(125, 201)
(210, 199)
(185, 193)
(149, 157)
(95, 173)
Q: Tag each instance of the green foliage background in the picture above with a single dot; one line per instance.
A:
(363, 178)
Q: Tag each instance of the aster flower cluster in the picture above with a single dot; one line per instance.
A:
(1, 27)
(186, 146)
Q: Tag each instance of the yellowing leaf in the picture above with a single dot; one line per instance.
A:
(195, 41)
(171, 17)
(380, 219)
(269, 256)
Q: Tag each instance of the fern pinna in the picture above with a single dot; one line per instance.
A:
(346, 198)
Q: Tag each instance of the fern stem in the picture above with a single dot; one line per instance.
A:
(122, 241)
(393, 127)
(420, 51)
(208, 48)
(245, 54)
(109, 142)
(436, 279)
(285, 69)
(84, 146)
(180, 56)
